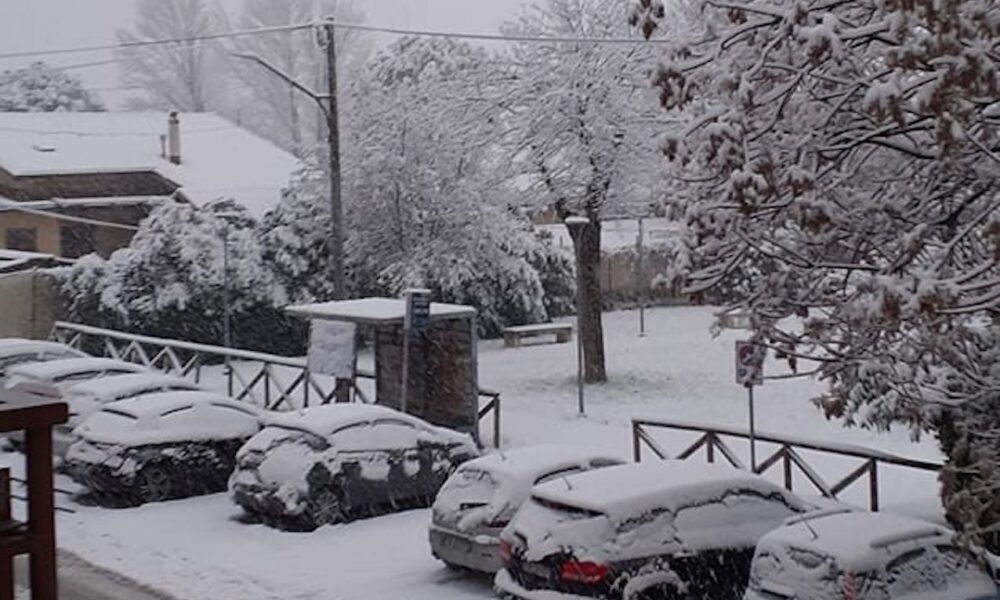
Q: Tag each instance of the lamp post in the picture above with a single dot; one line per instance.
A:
(227, 219)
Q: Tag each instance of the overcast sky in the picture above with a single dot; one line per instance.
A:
(31, 25)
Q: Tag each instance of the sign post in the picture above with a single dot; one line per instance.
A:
(750, 373)
(416, 320)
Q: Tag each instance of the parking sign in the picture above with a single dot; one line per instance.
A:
(749, 363)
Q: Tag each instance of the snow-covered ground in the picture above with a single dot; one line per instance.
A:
(196, 549)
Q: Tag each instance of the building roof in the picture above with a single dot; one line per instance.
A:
(218, 158)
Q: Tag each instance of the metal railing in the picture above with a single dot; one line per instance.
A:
(788, 456)
(268, 380)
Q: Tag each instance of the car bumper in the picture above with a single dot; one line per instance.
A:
(507, 588)
(479, 553)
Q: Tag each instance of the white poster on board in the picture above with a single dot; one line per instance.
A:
(331, 349)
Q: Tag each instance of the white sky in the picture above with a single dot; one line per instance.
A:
(30, 25)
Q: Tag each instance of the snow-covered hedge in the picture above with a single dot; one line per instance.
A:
(170, 282)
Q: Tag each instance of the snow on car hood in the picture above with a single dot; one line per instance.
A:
(58, 368)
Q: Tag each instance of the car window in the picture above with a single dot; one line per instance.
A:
(599, 463)
(78, 376)
(739, 517)
(239, 409)
(937, 569)
(558, 474)
(469, 486)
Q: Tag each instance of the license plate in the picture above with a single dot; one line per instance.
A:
(456, 543)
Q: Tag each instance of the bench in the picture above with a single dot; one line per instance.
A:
(512, 336)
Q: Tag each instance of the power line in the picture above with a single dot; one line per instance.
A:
(157, 42)
(496, 37)
(491, 37)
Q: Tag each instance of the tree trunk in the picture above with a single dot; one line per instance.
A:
(587, 247)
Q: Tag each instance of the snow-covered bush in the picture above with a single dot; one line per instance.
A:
(855, 146)
(40, 88)
(170, 282)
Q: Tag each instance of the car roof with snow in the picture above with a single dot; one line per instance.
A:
(532, 462)
(324, 420)
(171, 416)
(55, 369)
(19, 346)
(858, 541)
(634, 488)
(117, 386)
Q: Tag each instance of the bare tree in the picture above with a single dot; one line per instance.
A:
(177, 76)
(273, 107)
(579, 117)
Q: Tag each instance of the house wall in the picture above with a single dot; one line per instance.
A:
(46, 230)
(31, 304)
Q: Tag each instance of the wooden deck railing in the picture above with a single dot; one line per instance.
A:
(788, 455)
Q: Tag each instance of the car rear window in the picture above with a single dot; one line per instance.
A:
(470, 486)
(79, 376)
(948, 571)
(787, 572)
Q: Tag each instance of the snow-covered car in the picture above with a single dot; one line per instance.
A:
(160, 446)
(60, 374)
(866, 556)
(16, 351)
(85, 398)
(333, 463)
(481, 497)
(657, 530)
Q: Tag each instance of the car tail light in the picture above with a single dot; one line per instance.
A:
(850, 589)
(505, 552)
(575, 571)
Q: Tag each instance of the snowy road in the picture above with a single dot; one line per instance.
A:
(80, 580)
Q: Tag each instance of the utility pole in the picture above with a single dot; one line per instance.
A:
(333, 142)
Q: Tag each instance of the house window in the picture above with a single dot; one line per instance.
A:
(76, 240)
(22, 238)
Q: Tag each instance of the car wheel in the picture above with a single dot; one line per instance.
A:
(155, 484)
(326, 508)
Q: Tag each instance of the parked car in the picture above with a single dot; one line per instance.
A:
(160, 446)
(481, 497)
(62, 373)
(866, 556)
(334, 463)
(657, 530)
(87, 397)
(16, 351)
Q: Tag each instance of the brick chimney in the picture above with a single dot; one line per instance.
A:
(174, 138)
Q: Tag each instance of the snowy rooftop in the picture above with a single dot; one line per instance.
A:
(118, 385)
(20, 346)
(375, 311)
(632, 488)
(857, 540)
(55, 369)
(218, 158)
(324, 420)
(531, 462)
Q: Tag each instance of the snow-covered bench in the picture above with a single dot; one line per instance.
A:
(512, 336)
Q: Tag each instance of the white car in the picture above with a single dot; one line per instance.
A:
(333, 463)
(16, 351)
(481, 497)
(88, 397)
(59, 375)
(866, 556)
(160, 446)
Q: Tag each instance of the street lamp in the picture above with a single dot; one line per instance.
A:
(575, 224)
(227, 219)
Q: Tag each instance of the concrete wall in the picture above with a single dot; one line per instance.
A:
(46, 230)
(31, 304)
